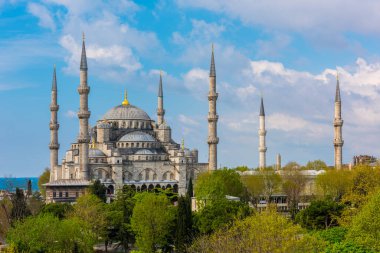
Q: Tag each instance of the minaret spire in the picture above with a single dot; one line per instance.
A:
(213, 139)
(54, 126)
(83, 115)
(338, 123)
(160, 103)
(262, 134)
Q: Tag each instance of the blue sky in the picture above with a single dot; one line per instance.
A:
(288, 51)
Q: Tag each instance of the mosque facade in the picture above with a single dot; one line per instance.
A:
(125, 147)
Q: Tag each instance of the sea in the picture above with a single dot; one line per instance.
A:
(10, 183)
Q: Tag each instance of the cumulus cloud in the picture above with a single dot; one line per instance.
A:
(71, 114)
(186, 120)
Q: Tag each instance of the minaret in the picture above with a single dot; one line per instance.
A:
(54, 126)
(262, 134)
(338, 123)
(212, 118)
(83, 115)
(160, 103)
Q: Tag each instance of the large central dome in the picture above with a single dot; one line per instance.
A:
(126, 112)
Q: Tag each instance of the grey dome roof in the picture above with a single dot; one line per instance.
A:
(145, 152)
(104, 125)
(137, 136)
(95, 153)
(122, 112)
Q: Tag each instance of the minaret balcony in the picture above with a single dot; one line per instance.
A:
(54, 126)
(84, 114)
(53, 146)
(338, 122)
(212, 117)
(160, 111)
(212, 96)
(212, 140)
(83, 90)
(262, 132)
(338, 142)
(83, 140)
(262, 149)
(54, 108)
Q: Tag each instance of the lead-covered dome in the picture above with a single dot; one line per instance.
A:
(137, 136)
(126, 112)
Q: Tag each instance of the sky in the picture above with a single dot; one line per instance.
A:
(286, 51)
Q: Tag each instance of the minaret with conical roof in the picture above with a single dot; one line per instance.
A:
(338, 123)
(54, 126)
(213, 139)
(160, 103)
(83, 115)
(262, 134)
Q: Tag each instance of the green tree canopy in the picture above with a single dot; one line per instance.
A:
(218, 184)
(59, 210)
(99, 190)
(334, 183)
(153, 221)
(316, 165)
(43, 179)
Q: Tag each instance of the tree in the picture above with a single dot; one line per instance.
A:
(334, 183)
(272, 183)
(91, 210)
(29, 191)
(152, 221)
(5, 216)
(43, 179)
(119, 213)
(220, 213)
(321, 214)
(316, 165)
(190, 191)
(99, 190)
(218, 184)
(365, 228)
(255, 187)
(294, 183)
(364, 182)
(20, 208)
(184, 224)
(46, 233)
(241, 168)
(291, 166)
(263, 232)
(59, 210)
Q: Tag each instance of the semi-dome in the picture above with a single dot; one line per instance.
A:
(137, 136)
(93, 152)
(145, 152)
(126, 112)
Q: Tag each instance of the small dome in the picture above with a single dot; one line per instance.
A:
(95, 153)
(126, 112)
(137, 136)
(164, 126)
(145, 152)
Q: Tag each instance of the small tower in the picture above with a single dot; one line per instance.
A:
(278, 162)
(213, 139)
(160, 103)
(262, 134)
(83, 115)
(338, 123)
(54, 126)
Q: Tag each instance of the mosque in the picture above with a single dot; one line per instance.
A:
(125, 147)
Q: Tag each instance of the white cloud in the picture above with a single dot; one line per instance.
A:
(71, 114)
(196, 81)
(43, 14)
(186, 120)
(327, 17)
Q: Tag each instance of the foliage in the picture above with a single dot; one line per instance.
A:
(29, 191)
(241, 168)
(255, 187)
(220, 213)
(334, 183)
(119, 213)
(46, 233)
(321, 214)
(293, 185)
(291, 166)
(332, 235)
(43, 179)
(184, 229)
(316, 165)
(99, 190)
(20, 208)
(190, 190)
(5, 215)
(59, 210)
(152, 221)
(365, 228)
(218, 184)
(346, 247)
(262, 232)
(365, 180)
(91, 210)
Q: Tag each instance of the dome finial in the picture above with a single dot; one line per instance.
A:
(125, 101)
(183, 144)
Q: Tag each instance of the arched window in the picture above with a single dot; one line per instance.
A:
(154, 176)
(171, 176)
(147, 175)
(140, 176)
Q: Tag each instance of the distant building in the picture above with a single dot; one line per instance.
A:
(364, 159)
